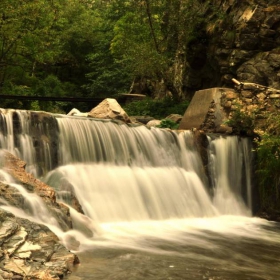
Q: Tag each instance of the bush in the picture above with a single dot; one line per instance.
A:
(167, 123)
(158, 109)
(268, 152)
(268, 164)
(242, 122)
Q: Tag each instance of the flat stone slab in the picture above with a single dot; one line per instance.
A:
(198, 109)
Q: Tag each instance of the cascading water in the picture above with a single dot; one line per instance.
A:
(132, 173)
(15, 137)
(229, 156)
(150, 211)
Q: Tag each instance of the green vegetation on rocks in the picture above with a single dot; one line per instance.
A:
(264, 126)
(268, 164)
(158, 109)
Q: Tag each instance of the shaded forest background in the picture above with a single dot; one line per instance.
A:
(101, 48)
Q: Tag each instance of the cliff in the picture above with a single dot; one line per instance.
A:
(242, 42)
(223, 39)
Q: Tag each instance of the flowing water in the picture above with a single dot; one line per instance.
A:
(150, 211)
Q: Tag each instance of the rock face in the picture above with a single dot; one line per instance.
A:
(109, 108)
(243, 43)
(29, 250)
(212, 109)
(260, 36)
(233, 39)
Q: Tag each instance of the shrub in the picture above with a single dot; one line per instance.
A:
(156, 108)
(242, 122)
(268, 164)
(167, 123)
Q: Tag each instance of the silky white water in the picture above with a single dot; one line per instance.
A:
(150, 211)
(15, 137)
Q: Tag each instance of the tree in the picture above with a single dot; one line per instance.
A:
(40, 39)
(155, 37)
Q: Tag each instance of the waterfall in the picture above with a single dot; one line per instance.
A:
(85, 140)
(121, 173)
(130, 174)
(17, 129)
(229, 157)
(16, 138)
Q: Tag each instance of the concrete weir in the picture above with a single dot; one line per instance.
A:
(205, 110)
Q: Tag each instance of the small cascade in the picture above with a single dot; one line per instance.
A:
(36, 210)
(15, 137)
(122, 193)
(33, 208)
(86, 140)
(26, 139)
(229, 157)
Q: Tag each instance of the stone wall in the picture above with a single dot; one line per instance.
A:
(252, 100)
(214, 110)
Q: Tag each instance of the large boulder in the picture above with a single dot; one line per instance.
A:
(31, 251)
(205, 111)
(109, 108)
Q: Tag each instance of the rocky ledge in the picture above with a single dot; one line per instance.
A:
(29, 250)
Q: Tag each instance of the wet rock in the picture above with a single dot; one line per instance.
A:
(16, 168)
(31, 251)
(153, 123)
(175, 118)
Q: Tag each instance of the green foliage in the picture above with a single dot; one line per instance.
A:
(156, 108)
(50, 86)
(43, 46)
(268, 163)
(268, 152)
(133, 47)
(242, 122)
(167, 123)
(94, 48)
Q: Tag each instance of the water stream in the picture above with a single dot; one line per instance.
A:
(150, 212)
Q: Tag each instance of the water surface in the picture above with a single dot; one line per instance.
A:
(226, 247)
